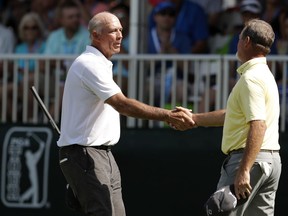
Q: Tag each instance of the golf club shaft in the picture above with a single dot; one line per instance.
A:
(45, 110)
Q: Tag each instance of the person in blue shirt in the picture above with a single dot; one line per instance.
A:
(191, 20)
(164, 38)
(32, 41)
(70, 39)
(249, 9)
(32, 35)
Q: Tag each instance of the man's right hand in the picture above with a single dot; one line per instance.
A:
(181, 119)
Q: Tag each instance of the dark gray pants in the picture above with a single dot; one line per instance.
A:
(95, 179)
(264, 179)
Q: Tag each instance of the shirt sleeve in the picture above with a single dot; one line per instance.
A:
(252, 100)
(99, 80)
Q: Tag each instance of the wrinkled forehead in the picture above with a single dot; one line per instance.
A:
(111, 21)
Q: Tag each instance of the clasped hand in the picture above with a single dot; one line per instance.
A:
(181, 119)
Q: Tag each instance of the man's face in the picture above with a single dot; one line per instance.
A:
(110, 39)
(71, 18)
(240, 47)
(165, 19)
(31, 31)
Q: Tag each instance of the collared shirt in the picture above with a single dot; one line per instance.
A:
(86, 119)
(254, 97)
(58, 43)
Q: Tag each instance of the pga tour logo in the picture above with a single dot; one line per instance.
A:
(25, 160)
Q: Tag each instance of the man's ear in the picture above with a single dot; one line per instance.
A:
(95, 35)
(247, 41)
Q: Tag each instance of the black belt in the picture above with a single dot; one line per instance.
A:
(103, 147)
(241, 150)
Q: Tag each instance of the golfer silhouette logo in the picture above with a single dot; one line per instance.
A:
(25, 161)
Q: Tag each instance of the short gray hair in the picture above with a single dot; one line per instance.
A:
(260, 33)
(97, 22)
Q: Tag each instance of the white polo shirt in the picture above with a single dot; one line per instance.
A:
(86, 119)
(254, 97)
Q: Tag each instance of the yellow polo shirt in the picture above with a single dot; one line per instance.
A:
(254, 97)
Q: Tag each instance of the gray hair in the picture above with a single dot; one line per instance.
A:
(97, 22)
(260, 33)
(32, 16)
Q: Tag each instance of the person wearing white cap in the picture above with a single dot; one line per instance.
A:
(250, 9)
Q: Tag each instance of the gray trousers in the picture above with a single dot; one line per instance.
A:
(264, 179)
(94, 178)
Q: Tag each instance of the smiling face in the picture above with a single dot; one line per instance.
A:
(107, 38)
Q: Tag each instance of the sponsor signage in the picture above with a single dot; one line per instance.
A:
(25, 166)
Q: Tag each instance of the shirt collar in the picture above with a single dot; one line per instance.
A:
(247, 65)
(95, 51)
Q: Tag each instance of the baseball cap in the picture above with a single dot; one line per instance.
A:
(164, 6)
(222, 201)
(252, 6)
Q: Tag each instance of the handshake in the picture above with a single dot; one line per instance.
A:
(181, 119)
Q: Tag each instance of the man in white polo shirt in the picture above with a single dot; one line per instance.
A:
(90, 122)
(250, 132)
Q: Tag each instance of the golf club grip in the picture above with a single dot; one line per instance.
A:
(43, 107)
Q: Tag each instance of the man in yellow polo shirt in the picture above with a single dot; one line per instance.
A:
(250, 126)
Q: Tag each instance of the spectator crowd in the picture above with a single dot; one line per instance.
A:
(53, 27)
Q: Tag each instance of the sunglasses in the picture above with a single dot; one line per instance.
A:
(170, 13)
(34, 27)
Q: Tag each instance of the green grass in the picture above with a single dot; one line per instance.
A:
(169, 107)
